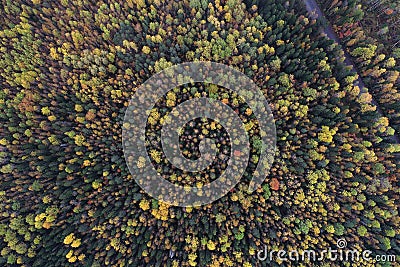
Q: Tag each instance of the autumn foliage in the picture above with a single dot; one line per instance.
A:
(67, 198)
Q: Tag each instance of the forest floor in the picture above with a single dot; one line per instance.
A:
(316, 13)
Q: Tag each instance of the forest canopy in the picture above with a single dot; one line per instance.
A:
(69, 70)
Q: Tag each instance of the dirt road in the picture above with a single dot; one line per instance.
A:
(316, 13)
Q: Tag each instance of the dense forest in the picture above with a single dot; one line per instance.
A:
(369, 31)
(70, 68)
